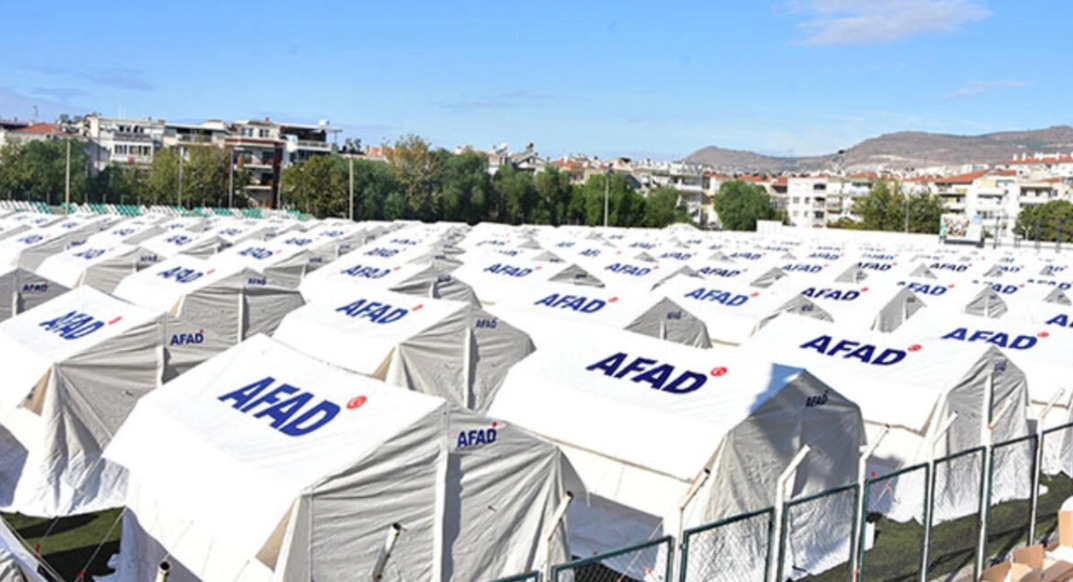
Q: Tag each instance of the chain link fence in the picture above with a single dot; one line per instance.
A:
(647, 562)
(732, 550)
(946, 518)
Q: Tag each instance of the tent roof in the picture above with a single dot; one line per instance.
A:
(561, 392)
(237, 473)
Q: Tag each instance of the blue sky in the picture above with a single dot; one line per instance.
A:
(655, 79)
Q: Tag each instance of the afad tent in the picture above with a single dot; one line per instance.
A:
(282, 262)
(646, 314)
(444, 348)
(731, 309)
(31, 247)
(100, 267)
(872, 307)
(21, 289)
(642, 419)
(355, 271)
(74, 368)
(907, 391)
(177, 242)
(234, 303)
(264, 464)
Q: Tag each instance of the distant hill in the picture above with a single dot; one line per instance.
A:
(906, 149)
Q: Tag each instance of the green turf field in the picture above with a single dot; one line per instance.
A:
(72, 541)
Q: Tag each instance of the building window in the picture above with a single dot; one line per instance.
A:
(797, 200)
(264, 133)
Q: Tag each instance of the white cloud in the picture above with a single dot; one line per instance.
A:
(973, 88)
(861, 22)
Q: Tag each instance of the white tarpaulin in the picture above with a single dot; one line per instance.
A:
(234, 303)
(267, 465)
(74, 368)
(443, 348)
(100, 267)
(641, 418)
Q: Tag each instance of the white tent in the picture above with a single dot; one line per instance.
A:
(100, 267)
(74, 368)
(646, 314)
(444, 348)
(33, 246)
(267, 465)
(907, 389)
(283, 261)
(21, 289)
(641, 419)
(234, 303)
(356, 271)
(731, 309)
(177, 242)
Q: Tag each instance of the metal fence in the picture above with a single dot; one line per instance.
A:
(944, 519)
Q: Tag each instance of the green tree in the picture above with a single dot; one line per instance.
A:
(395, 206)
(555, 191)
(317, 186)
(740, 204)
(626, 206)
(206, 175)
(517, 195)
(162, 184)
(1044, 220)
(37, 171)
(663, 208)
(468, 194)
(373, 183)
(419, 170)
(884, 208)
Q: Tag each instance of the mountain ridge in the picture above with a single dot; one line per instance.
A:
(899, 151)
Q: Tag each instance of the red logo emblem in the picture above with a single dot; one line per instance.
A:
(720, 371)
(356, 402)
(116, 320)
(914, 348)
(1043, 334)
(612, 300)
(418, 308)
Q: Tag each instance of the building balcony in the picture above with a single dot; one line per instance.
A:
(314, 145)
(186, 138)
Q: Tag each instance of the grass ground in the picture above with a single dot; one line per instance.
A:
(895, 557)
(71, 543)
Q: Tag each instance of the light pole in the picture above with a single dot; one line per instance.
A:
(351, 213)
(180, 176)
(231, 178)
(67, 180)
(607, 194)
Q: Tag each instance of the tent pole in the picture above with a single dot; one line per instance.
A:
(985, 490)
(1039, 464)
(163, 571)
(556, 519)
(857, 542)
(393, 534)
(780, 494)
(694, 488)
(929, 494)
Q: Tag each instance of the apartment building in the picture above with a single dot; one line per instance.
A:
(111, 140)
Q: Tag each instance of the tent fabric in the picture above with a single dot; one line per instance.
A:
(232, 493)
(76, 365)
(99, 267)
(614, 401)
(442, 348)
(17, 564)
(645, 314)
(913, 387)
(234, 303)
(21, 289)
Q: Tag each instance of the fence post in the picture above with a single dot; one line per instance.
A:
(683, 558)
(1037, 464)
(780, 506)
(985, 483)
(929, 493)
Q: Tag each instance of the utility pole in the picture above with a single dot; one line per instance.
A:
(607, 195)
(67, 187)
(180, 176)
(351, 214)
(231, 179)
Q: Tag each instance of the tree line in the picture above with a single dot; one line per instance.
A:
(35, 171)
(417, 182)
(425, 183)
